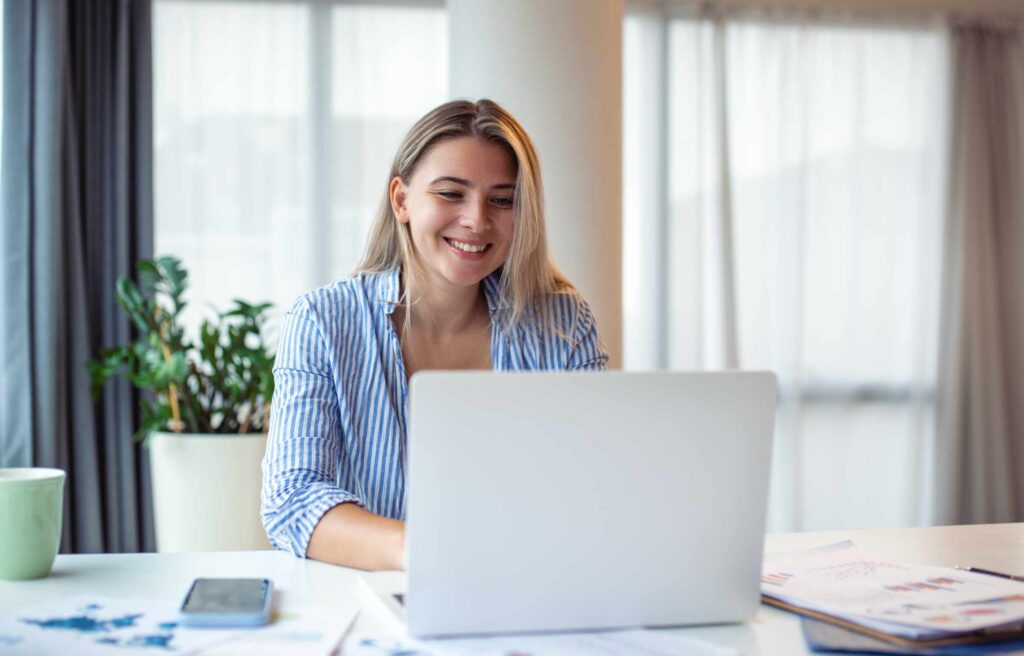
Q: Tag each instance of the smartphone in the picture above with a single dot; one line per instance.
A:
(227, 603)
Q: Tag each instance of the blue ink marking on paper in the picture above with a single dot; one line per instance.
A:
(160, 640)
(92, 625)
(82, 623)
(126, 621)
(156, 641)
(85, 624)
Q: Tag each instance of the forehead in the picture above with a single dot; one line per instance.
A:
(470, 158)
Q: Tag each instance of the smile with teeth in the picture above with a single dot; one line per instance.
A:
(467, 248)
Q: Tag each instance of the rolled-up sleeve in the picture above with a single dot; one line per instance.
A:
(305, 442)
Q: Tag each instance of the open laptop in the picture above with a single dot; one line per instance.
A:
(576, 501)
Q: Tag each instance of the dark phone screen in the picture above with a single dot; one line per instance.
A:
(226, 596)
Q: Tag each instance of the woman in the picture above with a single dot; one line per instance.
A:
(456, 275)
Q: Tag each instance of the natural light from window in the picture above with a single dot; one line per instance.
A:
(803, 173)
(274, 132)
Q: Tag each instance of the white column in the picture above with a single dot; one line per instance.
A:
(556, 65)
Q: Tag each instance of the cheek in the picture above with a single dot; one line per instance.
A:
(508, 231)
(506, 225)
(426, 220)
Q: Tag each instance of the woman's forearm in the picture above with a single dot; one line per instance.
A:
(354, 537)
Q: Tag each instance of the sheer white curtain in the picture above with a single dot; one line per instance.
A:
(784, 210)
(275, 124)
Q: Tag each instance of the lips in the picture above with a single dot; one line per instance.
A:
(470, 247)
(468, 250)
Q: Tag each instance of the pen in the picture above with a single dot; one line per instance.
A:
(979, 570)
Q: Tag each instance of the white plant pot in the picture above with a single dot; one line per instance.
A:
(206, 491)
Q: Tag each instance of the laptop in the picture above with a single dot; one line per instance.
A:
(582, 501)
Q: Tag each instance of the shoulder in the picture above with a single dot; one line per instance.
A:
(558, 332)
(345, 300)
(559, 322)
(329, 324)
(575, 328)
(567, 314)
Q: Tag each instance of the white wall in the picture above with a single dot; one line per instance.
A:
(557, 66)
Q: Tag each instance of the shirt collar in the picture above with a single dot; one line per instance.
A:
(492, 292)
(391, 289)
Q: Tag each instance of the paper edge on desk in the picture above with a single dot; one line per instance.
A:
(341, 617)
(378, 590)
(820, 549)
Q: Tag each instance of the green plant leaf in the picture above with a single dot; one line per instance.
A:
(218, 380)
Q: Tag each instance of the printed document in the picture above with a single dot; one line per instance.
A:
(92, 625)
(904, 599)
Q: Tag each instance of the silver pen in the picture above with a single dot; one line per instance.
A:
(979, 570)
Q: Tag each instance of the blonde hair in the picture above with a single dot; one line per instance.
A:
(528, 275)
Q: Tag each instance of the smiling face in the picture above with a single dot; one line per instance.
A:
(458, 206)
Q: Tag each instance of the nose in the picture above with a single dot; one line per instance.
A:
(476, 214)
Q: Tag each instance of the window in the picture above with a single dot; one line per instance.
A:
(274, 128)
(789, 216)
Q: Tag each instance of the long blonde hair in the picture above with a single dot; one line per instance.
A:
(528, 275)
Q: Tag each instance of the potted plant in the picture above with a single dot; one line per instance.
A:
(205, 410)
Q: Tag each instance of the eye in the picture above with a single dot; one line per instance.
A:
(504, 202)
(449, 194)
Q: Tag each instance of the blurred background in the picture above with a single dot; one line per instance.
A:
(830, 190)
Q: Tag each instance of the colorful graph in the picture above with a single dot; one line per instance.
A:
(965, 612)
(776, 578)
(929, 585)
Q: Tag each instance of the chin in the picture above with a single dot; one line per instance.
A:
(468, 278)
(464, 280)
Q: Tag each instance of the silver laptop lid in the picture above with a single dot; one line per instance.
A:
(557, 501)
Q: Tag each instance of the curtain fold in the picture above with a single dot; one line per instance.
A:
(802, 226)
(979, 456)
(77, 213)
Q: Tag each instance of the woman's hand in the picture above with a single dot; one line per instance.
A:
(352, 536)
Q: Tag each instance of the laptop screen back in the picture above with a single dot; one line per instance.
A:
(558, 501)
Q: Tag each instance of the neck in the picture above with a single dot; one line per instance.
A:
(443, 309)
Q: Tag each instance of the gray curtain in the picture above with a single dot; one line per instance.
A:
(77, 213)
(980, 437)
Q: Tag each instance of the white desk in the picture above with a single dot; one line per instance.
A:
(999, 547)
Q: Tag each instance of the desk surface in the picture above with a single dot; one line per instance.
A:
(167, 576)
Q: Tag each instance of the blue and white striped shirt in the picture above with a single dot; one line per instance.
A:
(338, 422)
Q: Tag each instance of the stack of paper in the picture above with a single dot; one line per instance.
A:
(920, 602)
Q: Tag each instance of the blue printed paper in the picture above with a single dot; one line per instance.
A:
(89, 625)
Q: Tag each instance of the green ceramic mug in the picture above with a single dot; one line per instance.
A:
(31, 516)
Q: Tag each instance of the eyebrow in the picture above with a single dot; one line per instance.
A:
(466, 183)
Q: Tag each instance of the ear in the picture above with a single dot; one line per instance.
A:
(396, 192)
